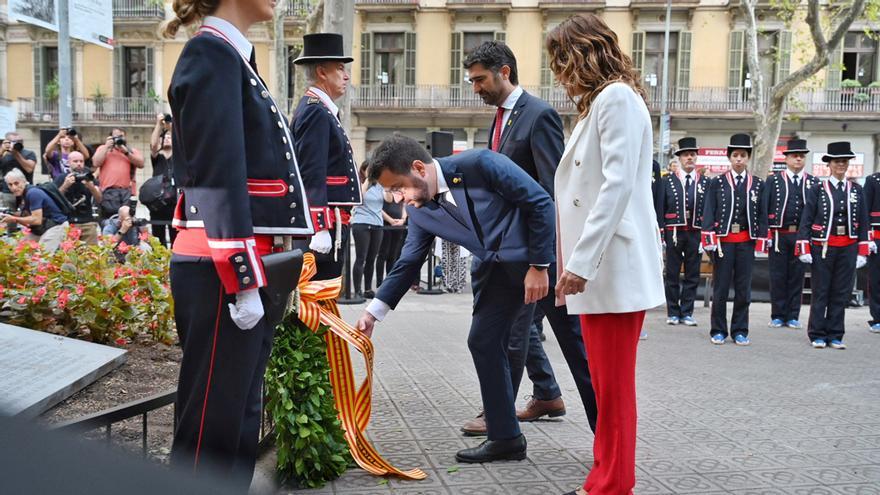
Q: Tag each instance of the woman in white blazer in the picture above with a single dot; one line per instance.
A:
(607, 237)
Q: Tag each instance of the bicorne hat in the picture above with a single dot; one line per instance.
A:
(840, 149)
(796, 146)
(740, 142)
(686, 144)
(322, 47)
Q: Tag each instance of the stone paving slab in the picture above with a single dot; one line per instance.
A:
(777, 417)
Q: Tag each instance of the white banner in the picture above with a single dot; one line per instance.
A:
(7, 119)
(89, 20)
(43, 13)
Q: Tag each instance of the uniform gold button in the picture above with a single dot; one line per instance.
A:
(287, 155)
(193, 210)
(239, 259)
(290, 189)
(242, 269)
(253, 82)
(274, 110)
(577, 202)
(246, 280)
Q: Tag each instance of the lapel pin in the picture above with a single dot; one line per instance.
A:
(456, 180)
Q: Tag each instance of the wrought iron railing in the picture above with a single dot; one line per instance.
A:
(682, 100)
(92, 109)
(135, 9)
(386, 2)
(298, 8)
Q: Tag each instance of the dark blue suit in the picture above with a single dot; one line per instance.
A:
(532, 138)
(507, 221)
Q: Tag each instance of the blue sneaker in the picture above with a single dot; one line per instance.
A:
(837, 344)
(796, 325)
(672, 320)
(819, 344)
(689, 321)
(776, 323)
(718, 339)
(741, 339)
(875, 328)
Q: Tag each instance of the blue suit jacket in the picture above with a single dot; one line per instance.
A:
(508, 218)
(533, 138)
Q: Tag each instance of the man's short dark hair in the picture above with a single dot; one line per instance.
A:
(493, 55)
(396, 154)
(120, 129)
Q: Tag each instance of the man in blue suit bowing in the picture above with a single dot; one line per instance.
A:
(482, 201)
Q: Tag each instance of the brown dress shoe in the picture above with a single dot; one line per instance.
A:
(537, 409)
(475, 427)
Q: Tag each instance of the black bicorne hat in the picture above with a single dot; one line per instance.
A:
(322, 47)
(840, 149)
(796, 146)
(740, 142)
(687, 144)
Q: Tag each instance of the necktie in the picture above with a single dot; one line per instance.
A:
(739, 180)
(253, 61)
(688, 195)
(797, 181)
(496, 136)
(840, 186)
(688, 182)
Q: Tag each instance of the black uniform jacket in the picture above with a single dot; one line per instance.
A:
(330, 173)
(718, 211)
(233, 157)
(819, 213)
(872, 199)
(776, 196)
(673, 199)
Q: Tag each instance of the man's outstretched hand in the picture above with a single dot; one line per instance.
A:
(365, 324)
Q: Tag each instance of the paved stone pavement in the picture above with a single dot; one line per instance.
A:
(775, 418)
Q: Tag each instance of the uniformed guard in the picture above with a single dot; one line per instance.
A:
(872, 201)
(833, 236)
(734, 230)
(682, 197)
(242, 190)
(783, 202)
(325, 156)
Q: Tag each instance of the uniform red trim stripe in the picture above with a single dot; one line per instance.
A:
(337, 180)
(267, 188)
(210, 375)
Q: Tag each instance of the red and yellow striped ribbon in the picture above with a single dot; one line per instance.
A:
(317, 306)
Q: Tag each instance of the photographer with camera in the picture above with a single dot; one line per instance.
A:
(164, 193)
(57, 152)
(80, 187)
(124, 227)
(13, 155)
(115, 162)
(40, 213)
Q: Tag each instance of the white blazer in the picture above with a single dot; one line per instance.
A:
(606, 227)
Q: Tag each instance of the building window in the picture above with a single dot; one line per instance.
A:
(45, 71)
(389, 58)
(463, 44)
(648, 53)
(859, 58)
(134, 72)
(774, 57)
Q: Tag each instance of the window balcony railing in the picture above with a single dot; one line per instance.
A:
(298, 8)
(124, 110)
(386, 2)
(138, 9)
(679, 100)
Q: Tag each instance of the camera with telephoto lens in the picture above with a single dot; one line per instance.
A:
(119, 141)
(132, 208)
(71, 132)
(167, 118)
(11, 228)
(18, 146)
(83, 176)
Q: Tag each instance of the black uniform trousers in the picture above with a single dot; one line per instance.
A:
(786, 279)
(498, 298)
(831, 283)
(526, 353)
(681, 292)
(736, 267)
(874, 286)
(221, 375)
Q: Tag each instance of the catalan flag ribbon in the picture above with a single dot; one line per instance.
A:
(317, 306)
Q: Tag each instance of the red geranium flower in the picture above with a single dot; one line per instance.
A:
(80, 289)
(123, 247)
(74, 233)
(67, 245)
(22, 300)
(63, 298)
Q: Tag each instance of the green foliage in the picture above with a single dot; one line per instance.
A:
(52, 89)
(875, 84)
(81, 291)
(850, 83)
(308, 434)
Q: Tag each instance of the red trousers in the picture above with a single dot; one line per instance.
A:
(611, 340)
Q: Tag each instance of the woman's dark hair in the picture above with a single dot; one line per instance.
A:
(493, 55)
(188, 12)
(585, 56)
(396, 154)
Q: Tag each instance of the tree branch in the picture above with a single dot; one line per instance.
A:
(754, 61)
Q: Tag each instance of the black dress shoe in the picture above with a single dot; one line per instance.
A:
(513, 449)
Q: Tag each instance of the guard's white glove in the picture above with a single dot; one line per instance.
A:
(872, 248)
(247, 310)
(710, 247)
(700, 249)
(806, 258)
(321, 242)
(861, 261)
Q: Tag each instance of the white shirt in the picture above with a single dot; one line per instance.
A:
(834, 181)
(792, 175)
(508, 105)
(244, 47)
(735, 175)
(378, 308)
(326, 100)
(692, 174)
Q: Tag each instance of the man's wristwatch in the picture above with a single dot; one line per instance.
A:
(540, 268)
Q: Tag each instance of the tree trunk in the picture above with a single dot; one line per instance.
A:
(281, 90)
